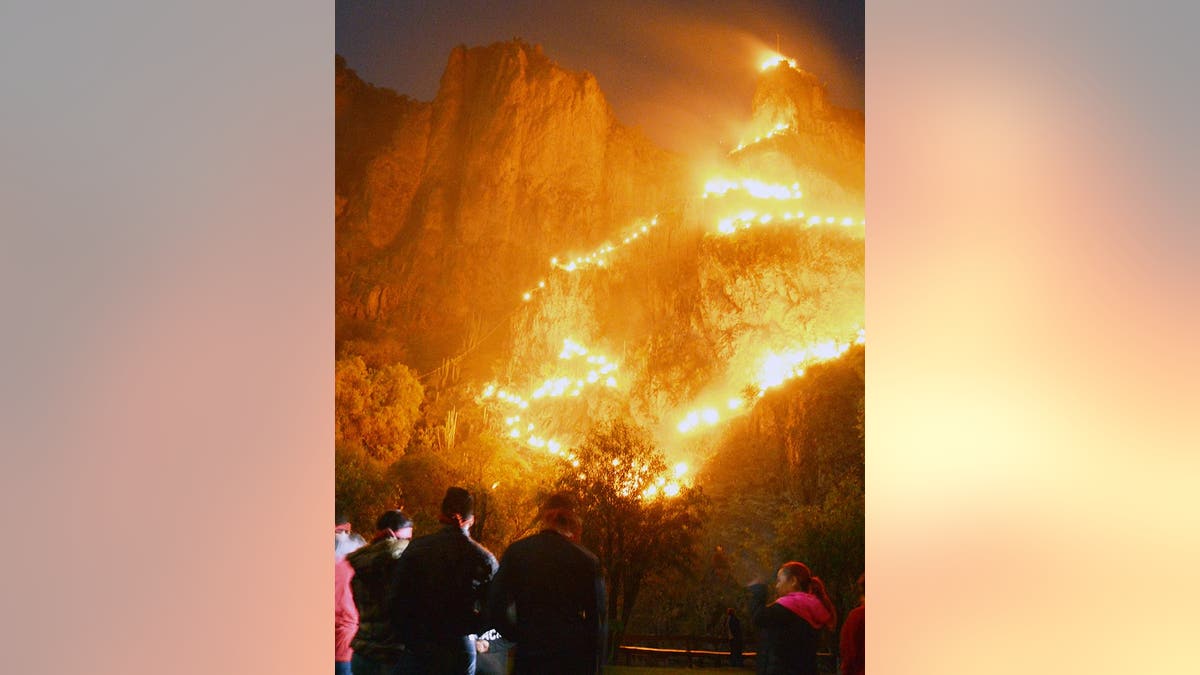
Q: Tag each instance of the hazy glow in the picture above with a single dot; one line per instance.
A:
(776, 60)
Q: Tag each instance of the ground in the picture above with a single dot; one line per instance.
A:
(652, 670)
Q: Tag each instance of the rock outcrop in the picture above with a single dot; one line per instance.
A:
(462, 202)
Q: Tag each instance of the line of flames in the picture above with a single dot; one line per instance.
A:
(777, 368)
(597, 258)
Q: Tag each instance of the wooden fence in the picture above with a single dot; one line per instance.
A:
(692, 651)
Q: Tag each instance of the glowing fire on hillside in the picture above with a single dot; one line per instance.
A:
(776, 368)
(737, 200)
(777, 59)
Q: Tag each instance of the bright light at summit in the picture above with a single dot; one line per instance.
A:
(775, 60)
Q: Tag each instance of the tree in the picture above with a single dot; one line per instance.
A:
(362, 489)
(632, 534)
(376, 407)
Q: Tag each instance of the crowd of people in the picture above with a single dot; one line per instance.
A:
(441, 604)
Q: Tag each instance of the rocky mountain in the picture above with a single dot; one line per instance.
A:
(448, 210)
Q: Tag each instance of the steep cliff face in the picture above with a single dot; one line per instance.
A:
(373, 128)
(463, 204)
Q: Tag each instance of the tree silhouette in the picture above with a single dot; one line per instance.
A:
(633, 535)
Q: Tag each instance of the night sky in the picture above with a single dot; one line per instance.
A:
(683, 72)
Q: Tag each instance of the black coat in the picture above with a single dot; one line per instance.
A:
(787, 643)
(439, 588)
(548, 597)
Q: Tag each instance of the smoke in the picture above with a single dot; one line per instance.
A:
(685, 73)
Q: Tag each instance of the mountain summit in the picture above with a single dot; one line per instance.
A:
(515, 160)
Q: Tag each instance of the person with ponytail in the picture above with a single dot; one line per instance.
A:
(789, 628)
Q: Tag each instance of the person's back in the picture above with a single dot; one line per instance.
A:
(548, 597)
(737, 643)
(787, 643)
(851, 643)
(438, 591)
(439, 583)
(852, 647)
(552, 584)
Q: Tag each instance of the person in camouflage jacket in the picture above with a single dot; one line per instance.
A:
(377, 648)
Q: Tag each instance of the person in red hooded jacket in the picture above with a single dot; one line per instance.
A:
(345, 614)
(852, 645)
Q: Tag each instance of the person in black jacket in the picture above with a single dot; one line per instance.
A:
(737, 642)
(548, 597)
(438, 591)
(789, 628)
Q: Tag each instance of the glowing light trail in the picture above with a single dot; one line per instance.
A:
(597, 258)
(777, 368)
(779, 129)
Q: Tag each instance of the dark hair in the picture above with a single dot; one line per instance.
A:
(810, 584)
(558, 513)
(340, 519)
(393, 520)
(800, 572)
(563, 499)
(458, 501)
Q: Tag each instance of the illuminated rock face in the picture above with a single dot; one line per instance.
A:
(450, 211)
(467, 198)
(823, 145)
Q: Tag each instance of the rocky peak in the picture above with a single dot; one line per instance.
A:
(515, 160)
(821, 143)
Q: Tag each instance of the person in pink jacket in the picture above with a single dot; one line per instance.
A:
(345, 614)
